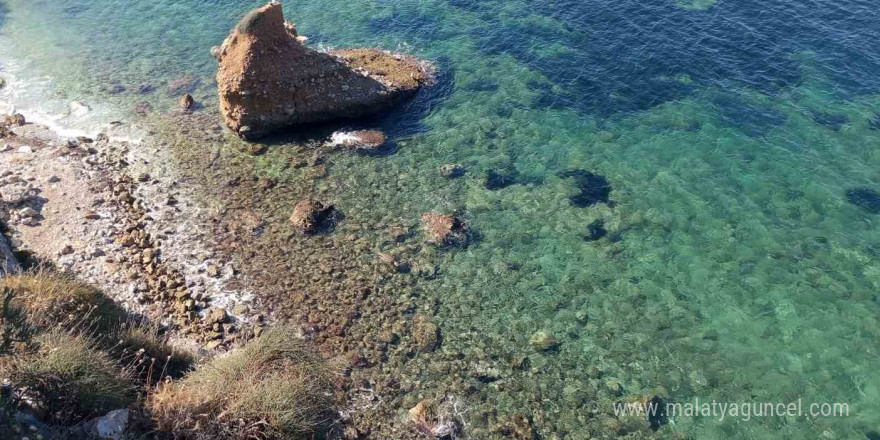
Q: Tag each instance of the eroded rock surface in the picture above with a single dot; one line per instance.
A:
(269, 80)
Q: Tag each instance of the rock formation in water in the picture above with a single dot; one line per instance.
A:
(269, 80)
(308, 215)
(445, 230)
(864, 198)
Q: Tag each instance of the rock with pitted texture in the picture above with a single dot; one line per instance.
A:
(269, 80)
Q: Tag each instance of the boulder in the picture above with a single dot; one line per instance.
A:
(186, 102)
(268, 80)
(308, 215)
(362, 140)
(445, 230)
(13, 120)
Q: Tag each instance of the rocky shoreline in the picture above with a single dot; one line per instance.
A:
(101, 210)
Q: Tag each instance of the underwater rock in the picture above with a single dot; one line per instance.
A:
(496, 180)
(185, 84)
(445, 230)
(269, 80)
(186, 102)
(452, 170)
(426, 334)
(308, 215)
(864, 198)
(143, 108)
(362, 140)
(594, 188)
(543, 341)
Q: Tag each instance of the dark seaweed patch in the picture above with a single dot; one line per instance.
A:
(496, 180)
(594, 188)
(864, 198)
(753, 119)
(595, 231)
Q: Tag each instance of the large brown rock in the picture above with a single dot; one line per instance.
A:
(308, 215)
(269, 80)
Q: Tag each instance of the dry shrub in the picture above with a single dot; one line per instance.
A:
(68, 379)
(54, 300)
(273, 388)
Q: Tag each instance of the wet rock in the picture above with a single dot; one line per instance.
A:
(363, 140)
(186, 102)
(426, 334)
(595, 231)
(496, 180)
(543, 341)
(308, 215)
(445, 230)
(13, 120)
(217, 316)
(594, 188)
(268, 80)
(452, 170)
(864, 198)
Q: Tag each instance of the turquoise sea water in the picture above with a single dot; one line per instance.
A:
(734, 266)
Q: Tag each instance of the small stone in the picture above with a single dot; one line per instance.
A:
(211, 345)
(543, 341)
(143, 177)
(25, 149)
(240, 310)
(91, 215)
(67, 250)
(54, 179)
(213, 271)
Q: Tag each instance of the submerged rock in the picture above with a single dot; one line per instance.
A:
(445, 230)
(864, 198)
(594, 188)
(426, 334)
(543, 341)
(269, 80)
(308, 215)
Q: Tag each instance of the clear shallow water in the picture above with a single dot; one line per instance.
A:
(734, 268)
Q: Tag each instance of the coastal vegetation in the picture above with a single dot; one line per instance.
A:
(71, 361)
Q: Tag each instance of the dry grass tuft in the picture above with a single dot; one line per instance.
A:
(54, 300)
(149, 354)
(274, 387)
(69, 378)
